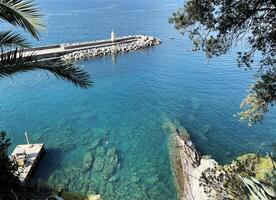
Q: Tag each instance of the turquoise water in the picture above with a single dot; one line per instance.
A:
(132, 96)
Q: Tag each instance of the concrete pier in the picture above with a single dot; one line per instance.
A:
(26, 156)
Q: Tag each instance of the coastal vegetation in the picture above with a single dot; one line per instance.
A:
(250, 176)
(217, 26)
(9, 183)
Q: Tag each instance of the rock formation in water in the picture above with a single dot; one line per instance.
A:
(187, 163)
(95, 173)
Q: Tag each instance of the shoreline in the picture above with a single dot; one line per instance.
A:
(199, 177)
(187, 163)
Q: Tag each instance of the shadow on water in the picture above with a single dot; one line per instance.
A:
(50, 161)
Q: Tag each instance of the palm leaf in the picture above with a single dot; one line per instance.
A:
(22, 13)
(14, 62)
(259, 190)
(9, 39)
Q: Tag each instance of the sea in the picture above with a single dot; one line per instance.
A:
(108, 139)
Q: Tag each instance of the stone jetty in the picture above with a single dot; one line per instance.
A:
(93, 49)
(120, 45)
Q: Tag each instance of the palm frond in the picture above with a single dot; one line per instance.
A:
(258, 190)
(8, 39)
(15, 61)
(22, 13)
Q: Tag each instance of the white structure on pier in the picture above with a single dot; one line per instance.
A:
(113, 36)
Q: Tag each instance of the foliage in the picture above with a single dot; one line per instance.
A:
(15, 62)
(8, 181)
(215, 26)
(25, 14)
(226, 184)
(22, 13)
(246, 177)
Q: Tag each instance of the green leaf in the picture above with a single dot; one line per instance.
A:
(10, 39)
(22, 13)
(16, 61)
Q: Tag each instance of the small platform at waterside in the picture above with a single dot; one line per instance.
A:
(27, 157)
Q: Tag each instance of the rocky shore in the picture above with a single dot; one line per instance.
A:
(197, 177)
(140, 42)
(187, 163)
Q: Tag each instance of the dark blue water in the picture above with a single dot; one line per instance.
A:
(133, 95)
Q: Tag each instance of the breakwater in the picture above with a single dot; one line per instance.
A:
(92, 49)
(103, 48)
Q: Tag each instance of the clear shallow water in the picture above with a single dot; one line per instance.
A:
(132, 96)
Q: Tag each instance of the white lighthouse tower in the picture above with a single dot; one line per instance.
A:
(113, 36)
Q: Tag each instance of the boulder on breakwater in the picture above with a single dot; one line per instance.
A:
(141, 42)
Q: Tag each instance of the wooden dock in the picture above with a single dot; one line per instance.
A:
(27, 157)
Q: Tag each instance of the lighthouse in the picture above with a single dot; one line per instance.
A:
(113, 36)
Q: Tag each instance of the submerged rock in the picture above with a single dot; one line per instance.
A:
(110, 164)
(100, 151)
(174, 127)
(95, 144)
(135, 179)
(98, 164)
(87, 161)
(152, 180)
(95, 175)
(114, 178)
(94, 197)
